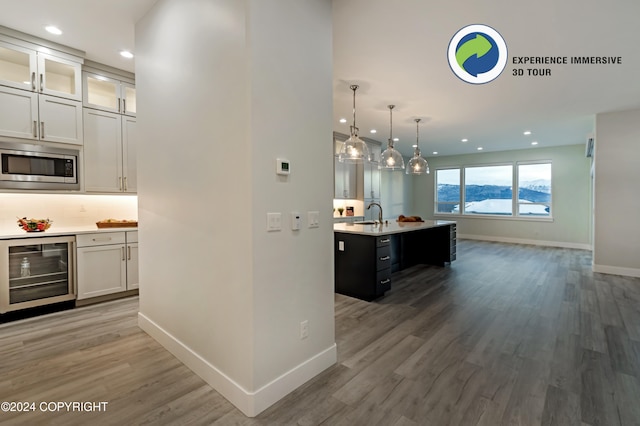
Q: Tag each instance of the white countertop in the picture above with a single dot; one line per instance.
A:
(15, 232)
(392, 227)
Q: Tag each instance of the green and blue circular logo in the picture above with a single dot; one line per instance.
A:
(477, 54)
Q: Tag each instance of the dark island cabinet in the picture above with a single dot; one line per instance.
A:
(362, 265)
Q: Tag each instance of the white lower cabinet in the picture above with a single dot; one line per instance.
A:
(107, 263)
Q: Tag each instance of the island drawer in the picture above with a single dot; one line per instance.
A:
(383, 281)
(383, 257)
(382, 241)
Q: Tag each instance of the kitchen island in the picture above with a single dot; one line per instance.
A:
(367, 254)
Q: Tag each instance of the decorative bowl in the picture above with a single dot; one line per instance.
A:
(34, 225)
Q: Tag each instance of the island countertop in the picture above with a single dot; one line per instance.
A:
(392, 227)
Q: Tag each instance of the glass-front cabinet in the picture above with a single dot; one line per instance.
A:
(36, 71)
(109, 94)
(35, 272)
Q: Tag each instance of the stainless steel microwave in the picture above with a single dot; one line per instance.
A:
(26, 166)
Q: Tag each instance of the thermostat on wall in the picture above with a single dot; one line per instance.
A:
(283, 167)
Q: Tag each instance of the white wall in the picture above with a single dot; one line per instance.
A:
(617, 198)
(224, 88)
(571, 195)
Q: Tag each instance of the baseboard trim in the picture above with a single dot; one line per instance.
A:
(560, 244)
(616, 270)
(251, 403)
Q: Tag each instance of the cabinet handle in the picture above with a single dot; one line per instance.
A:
(35, 129)
(119, 109)
(386, 240)
(33, 81)
(385, 258)
(120, 183)
(101, 239)
(387, 281)
(124, 105)
(128, 252)
(123, 254)
(41, 82)
(124, 185)
(42, 130)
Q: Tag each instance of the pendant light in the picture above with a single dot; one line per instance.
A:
(417, 165)
(391, 159)
(354, 149)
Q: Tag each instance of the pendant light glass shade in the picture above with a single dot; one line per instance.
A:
(417, 165)
(354, 149)
(391, 159)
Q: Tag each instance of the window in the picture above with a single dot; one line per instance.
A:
(448, 190)
(534, 189)
(489, 190)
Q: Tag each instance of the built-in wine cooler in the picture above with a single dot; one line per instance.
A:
(36, 272)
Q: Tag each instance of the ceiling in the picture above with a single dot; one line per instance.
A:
(396, 52)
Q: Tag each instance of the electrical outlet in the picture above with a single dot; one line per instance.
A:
(304, 329)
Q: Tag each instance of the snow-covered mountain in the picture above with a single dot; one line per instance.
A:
(540, 185)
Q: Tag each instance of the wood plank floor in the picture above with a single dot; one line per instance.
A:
(506, 335)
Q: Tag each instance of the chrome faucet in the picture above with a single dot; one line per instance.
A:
(379, 214)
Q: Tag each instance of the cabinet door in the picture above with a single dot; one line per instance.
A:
(101, 92)
(60, 120)
(132, 266)
(128, 92)
(350, 179)
(129, 155)
(17, 67)
(101, 270)
(338, 178)
(375, 180)
(59, 77)
(102, 151)
(18, 113)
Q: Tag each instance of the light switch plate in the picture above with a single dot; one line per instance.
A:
(274, 222)
(313, 219)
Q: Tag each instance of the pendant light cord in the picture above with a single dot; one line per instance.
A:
(354, 129)
(390, 144)
(417, 151)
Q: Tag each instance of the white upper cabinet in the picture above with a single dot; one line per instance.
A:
(40, 93)
(40, 72)
(109, 152)
(108, 94)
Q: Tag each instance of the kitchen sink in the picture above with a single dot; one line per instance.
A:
(365, 222)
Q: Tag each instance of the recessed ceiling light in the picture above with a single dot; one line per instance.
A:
(465, 140)
(373, 131)
(534, 143)
(396, 139)
(414, 146)
(435, 152)
(343, 120)
(53, 30)
(527, 132)
(126, 54)
(479, 148)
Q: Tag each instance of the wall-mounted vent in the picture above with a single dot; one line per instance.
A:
(590, 145)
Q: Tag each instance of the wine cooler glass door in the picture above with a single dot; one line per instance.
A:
(40, 272)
